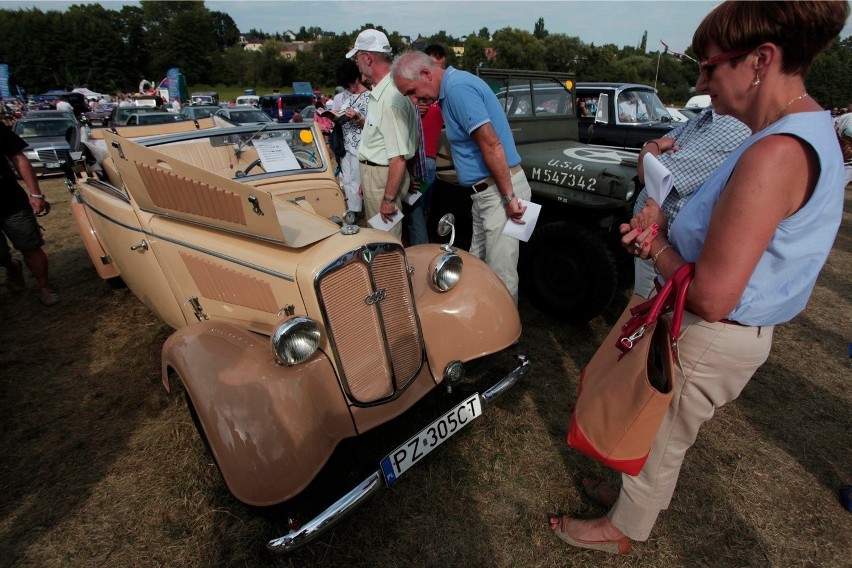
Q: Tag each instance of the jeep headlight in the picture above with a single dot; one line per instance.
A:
(295, 340)
(446, 271)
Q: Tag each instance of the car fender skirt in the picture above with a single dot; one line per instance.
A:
(271, 428)
(96, 251)
(478, 317)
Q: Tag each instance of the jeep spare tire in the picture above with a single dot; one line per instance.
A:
(569, 271)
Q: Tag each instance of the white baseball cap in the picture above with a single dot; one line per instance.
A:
(370, 40)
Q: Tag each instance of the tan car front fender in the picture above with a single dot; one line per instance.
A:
(478, 317)
(270, 427)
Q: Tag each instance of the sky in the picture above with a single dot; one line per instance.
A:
(593, 21)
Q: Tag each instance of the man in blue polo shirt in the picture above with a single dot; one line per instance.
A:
(484, 154)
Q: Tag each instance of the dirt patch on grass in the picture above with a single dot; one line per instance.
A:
(102, 468)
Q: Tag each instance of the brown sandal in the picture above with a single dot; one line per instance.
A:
(559, 525)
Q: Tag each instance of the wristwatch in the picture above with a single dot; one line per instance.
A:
(37, 195)
(506, 199)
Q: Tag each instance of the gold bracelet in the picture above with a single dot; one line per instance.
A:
(659, 252)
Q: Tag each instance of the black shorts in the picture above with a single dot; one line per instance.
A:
(22, 230)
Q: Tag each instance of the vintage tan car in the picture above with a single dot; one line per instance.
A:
(295, 329)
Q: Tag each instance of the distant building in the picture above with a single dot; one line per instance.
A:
(292, 48)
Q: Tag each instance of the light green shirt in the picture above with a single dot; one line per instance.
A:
(390, 128)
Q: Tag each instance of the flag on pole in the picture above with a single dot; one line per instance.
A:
(677, 54)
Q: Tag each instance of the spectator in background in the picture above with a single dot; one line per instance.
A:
(17, 218)
(64, 105)
(691, 152)
(353, 105)
(389, 138)
(437, 53)
(339, 95)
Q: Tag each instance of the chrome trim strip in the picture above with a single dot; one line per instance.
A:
(184, 244)
(364, 490)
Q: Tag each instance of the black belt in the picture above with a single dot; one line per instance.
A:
(488, 182)
(374, 164)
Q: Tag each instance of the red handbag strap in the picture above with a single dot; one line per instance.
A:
(672, 296)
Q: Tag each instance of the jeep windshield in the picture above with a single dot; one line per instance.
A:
(641, 107)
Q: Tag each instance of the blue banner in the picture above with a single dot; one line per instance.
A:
(4, 81)
(174, 86)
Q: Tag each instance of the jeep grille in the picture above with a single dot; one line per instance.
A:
(371, 322)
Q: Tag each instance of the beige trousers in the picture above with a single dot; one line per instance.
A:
(717, 360)
(488, 242)
(373, 182)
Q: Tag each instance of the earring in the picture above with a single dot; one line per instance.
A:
(756, 81)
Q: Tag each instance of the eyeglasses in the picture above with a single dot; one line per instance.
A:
(709, 64)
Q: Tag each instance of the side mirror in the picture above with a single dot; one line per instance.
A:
(447, 226)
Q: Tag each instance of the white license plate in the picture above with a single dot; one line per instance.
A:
(53, 165)
(432, 436)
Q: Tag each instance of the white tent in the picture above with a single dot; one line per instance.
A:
(90, 94)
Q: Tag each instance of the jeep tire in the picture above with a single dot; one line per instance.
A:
(569, 271)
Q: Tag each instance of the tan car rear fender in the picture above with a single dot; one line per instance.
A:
(478, 317)
(271, 428)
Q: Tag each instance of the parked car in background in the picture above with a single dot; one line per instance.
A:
(77, 100)
(627, 115)
(101, 114)
(146, 118)
(204, 98)
(698, 102)
(281, 107)
(251, 100)
(194, 112)
(54, 143)
(148, 101)
(119, 114)
(244, 115)
(677, 114)
(38, 113)
(294, 329)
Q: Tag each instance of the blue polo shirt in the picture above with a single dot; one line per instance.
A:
(467, 102)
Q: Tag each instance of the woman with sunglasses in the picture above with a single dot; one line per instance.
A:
(759, 230)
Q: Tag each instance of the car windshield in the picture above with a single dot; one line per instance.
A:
(158, 118)
(123, 113)
(266, 150)
(242, 116)
(43, 128)
(641, 107)
(199, 112)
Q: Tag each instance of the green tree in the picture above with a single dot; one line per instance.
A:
(474, 53)
(539, 31)
(517, 49)
(483, 34)
(643, 44)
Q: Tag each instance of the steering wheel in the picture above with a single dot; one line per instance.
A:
(307, 158)
(243, 173)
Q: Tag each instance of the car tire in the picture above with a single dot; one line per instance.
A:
(569, 271)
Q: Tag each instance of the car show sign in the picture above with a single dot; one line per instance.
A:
(4, 81)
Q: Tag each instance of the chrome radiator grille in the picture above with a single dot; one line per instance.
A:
(52, 154)
(371, 322)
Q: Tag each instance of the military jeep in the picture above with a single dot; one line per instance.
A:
(573, 263)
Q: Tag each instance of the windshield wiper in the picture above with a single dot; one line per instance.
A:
(243, 143)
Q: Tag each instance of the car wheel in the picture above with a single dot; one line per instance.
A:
(569, 271)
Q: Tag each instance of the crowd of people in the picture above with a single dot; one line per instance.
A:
(758, 195)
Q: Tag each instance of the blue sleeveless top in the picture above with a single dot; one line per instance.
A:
(786, 273)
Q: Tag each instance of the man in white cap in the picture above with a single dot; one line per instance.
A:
(389, 138)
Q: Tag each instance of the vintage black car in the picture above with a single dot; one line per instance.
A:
(626, 115)
(54, 143)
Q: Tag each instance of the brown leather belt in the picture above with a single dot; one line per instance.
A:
(374, 164)
(488, 182)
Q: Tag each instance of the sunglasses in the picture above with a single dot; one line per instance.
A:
(708, 65)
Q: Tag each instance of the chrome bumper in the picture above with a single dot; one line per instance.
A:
(364, 490)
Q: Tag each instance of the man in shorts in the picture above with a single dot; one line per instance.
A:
(18, 210)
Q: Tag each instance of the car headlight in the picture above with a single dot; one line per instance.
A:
(446, 271)
(295, 340)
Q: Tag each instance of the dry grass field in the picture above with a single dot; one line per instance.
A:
(101, 467)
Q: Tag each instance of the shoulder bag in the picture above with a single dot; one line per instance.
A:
(627, 386)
